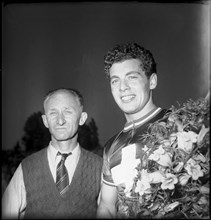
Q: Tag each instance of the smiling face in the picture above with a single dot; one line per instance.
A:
(131, 88)
(63, 115)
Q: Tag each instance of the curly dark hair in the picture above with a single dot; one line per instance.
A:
(125, 51)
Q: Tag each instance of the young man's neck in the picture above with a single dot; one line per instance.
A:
(135, 116)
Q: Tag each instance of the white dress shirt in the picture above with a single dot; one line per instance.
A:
(14, 197)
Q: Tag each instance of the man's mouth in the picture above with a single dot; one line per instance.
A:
(61, 129)
(127, 98)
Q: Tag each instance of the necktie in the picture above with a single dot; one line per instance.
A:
(62, 179)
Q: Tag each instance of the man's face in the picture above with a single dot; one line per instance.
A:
(130, 86)
(63, 115)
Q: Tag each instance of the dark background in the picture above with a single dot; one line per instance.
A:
(51, 45)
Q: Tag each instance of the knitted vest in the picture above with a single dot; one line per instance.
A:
(43, 198)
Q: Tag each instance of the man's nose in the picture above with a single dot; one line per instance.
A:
(61, 119)
(124, 85)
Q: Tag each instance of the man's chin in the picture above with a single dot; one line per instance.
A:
(63, 138)
(128, 111)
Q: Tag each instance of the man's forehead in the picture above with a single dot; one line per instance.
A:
(61, 96)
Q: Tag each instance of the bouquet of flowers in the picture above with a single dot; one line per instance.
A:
(173, 176)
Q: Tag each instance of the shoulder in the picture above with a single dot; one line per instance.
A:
(34, 157)
(160, 116)
(109, 143)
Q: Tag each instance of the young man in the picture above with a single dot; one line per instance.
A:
(131, 71)
(63, 179)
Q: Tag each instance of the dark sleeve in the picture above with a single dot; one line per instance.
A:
(107, 176)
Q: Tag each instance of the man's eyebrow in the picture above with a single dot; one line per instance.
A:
(133, 72)
(52, 109)
(113, 77)
(69, 108)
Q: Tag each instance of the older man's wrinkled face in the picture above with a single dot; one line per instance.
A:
(63, 115)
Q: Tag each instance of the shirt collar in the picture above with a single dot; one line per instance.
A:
(142, 120)
(53, 151)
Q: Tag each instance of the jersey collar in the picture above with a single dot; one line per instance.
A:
(142, 120)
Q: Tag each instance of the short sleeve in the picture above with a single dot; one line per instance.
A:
(107, 176)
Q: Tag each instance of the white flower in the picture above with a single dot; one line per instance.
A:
(204, 189)
(186, 139)
(161, 157)
(166, 143)
(145, 148)
(200, 157)
(183, 179)
(203, 201)
(157, 153)
(142, 187)
(154, 206)
(193, 169)
(169, 181)
(178, 167)
(143, 184)
(156, 177)
(171, 206)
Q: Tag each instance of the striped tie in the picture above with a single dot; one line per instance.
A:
(62, 179)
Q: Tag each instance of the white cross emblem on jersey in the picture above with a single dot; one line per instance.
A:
(125, 171)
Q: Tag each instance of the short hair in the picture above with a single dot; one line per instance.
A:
(74, 92)
(126, 51)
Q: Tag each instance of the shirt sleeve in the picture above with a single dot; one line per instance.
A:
(107, 176)
(14, 197)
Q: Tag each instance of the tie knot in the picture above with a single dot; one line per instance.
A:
(64, 156)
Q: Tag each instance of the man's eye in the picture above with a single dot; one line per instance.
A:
(68, 112)
(114, 81)
(133, 77)
(52, 113)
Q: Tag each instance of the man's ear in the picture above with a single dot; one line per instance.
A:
(45, 122)
(153, 81)
(83, 118)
